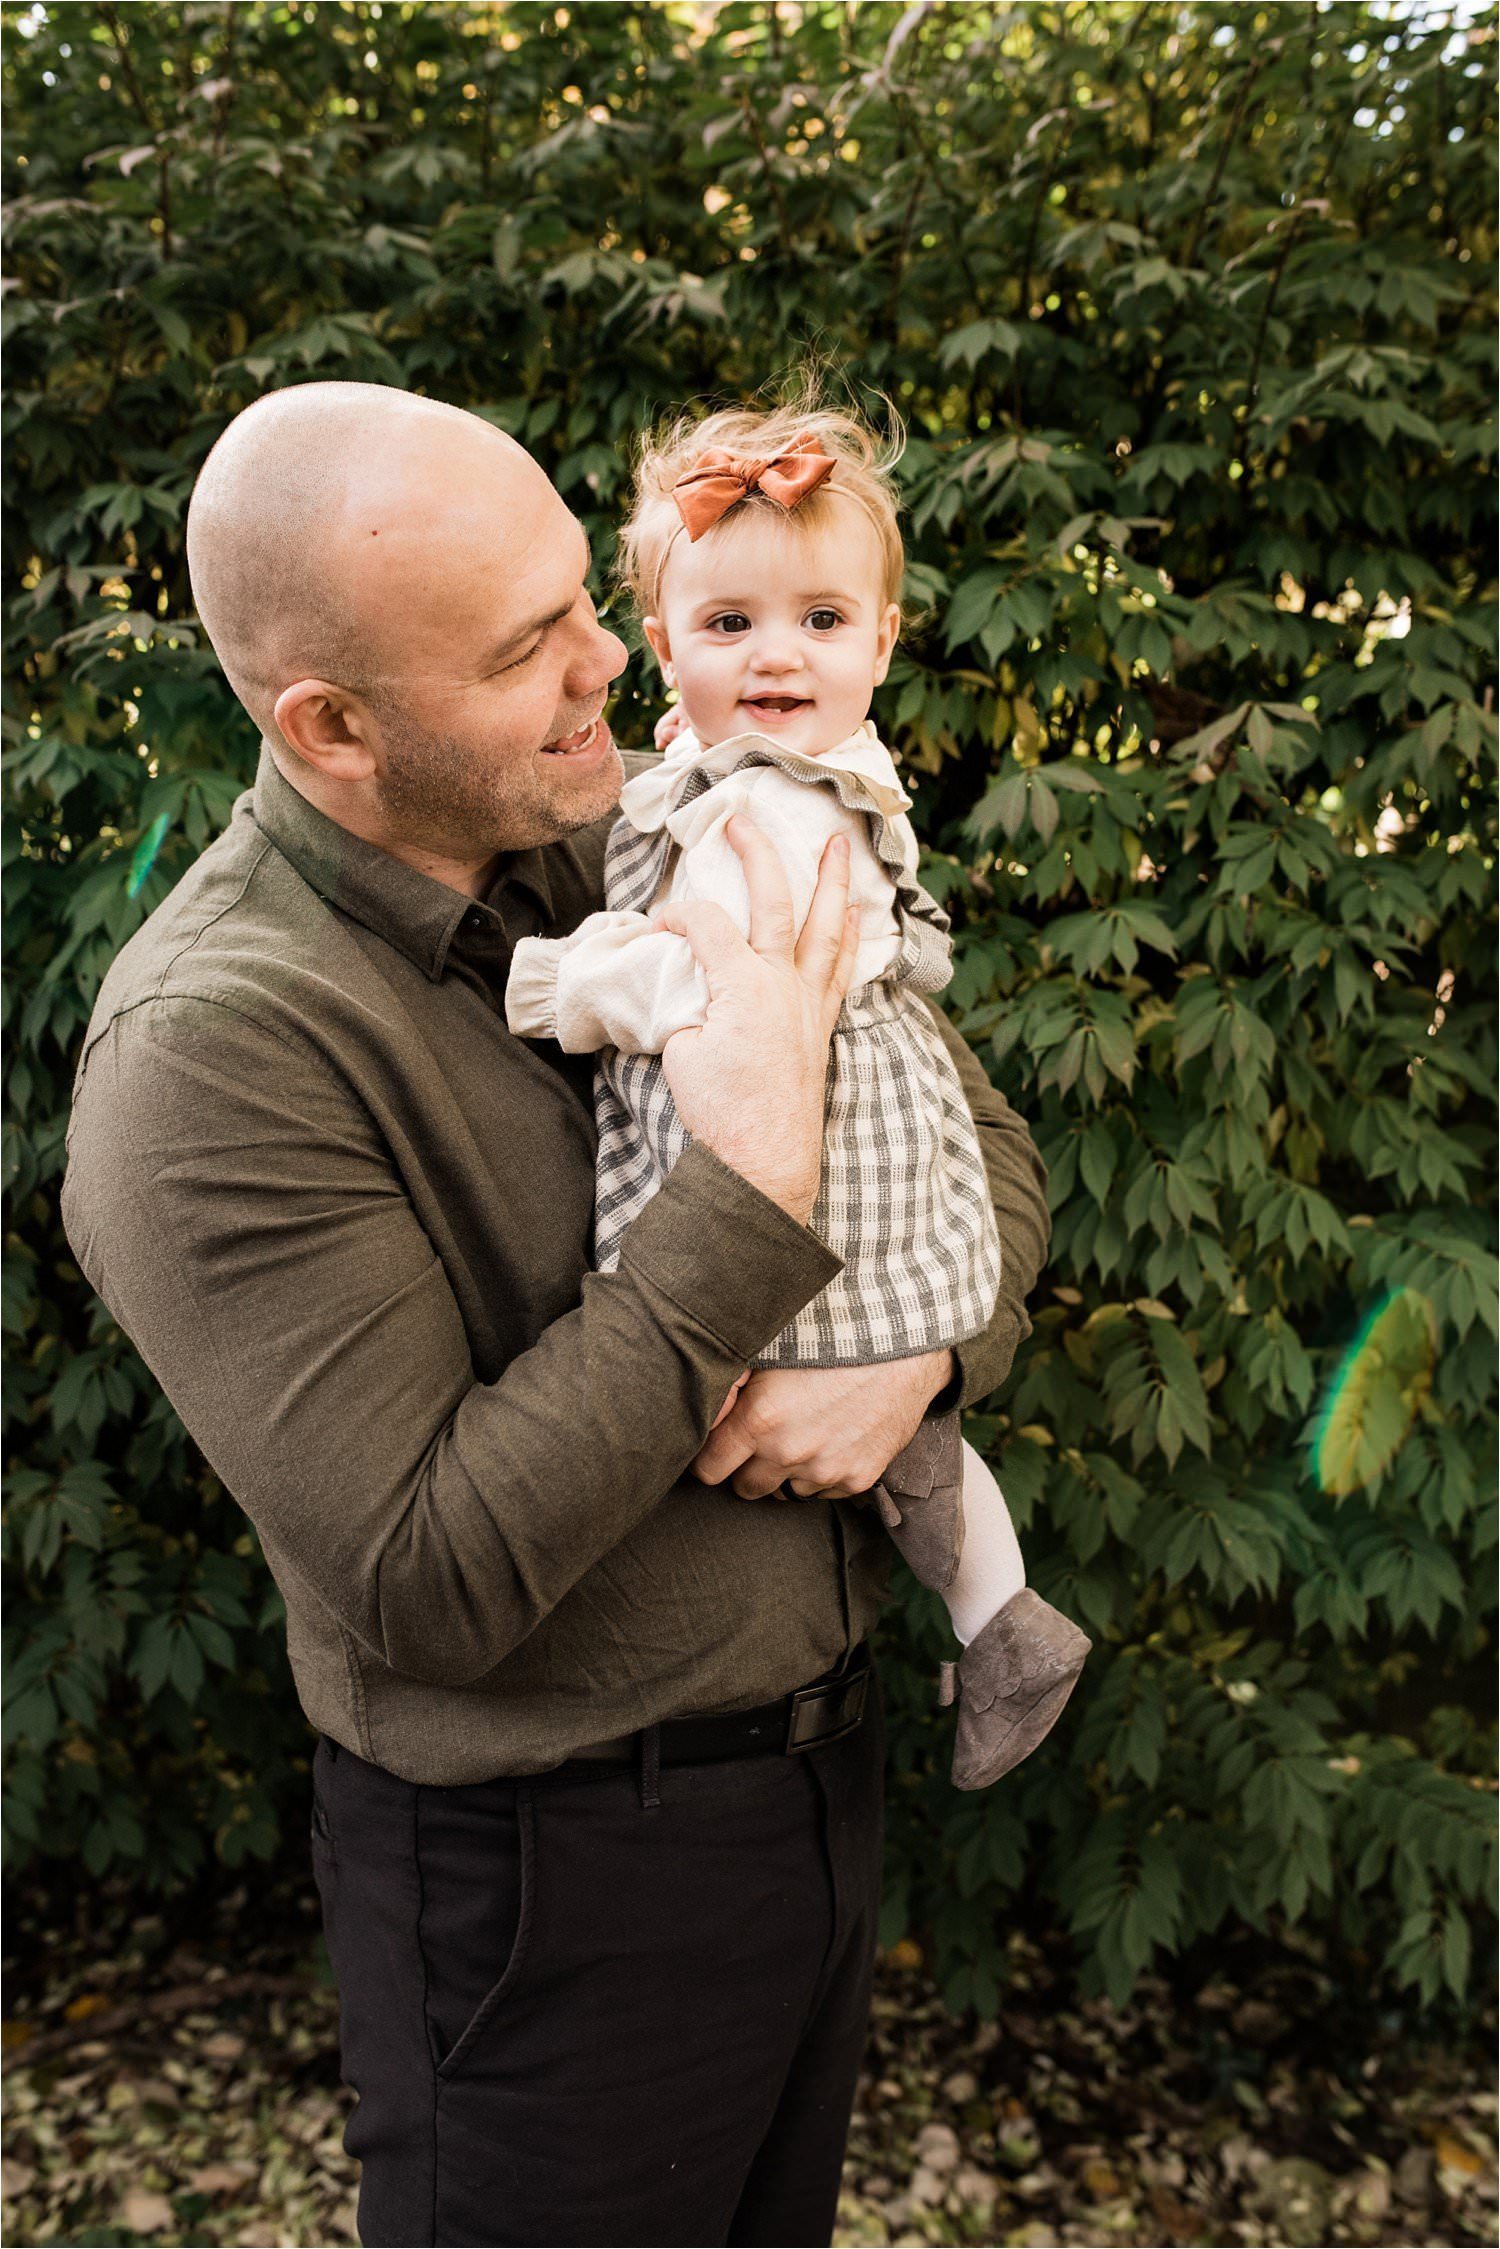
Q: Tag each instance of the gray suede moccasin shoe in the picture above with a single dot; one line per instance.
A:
(921, 1501)
(1010, 1684)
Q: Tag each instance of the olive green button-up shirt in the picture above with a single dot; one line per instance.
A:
(345, 1217)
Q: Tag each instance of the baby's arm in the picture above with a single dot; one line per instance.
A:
(615, 981)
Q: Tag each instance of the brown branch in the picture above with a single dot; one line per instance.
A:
(1177, 712)
(127, 70)
(486, 136)
(903, 245)
(1335, 151)
(1200, 218)
(164, 203)
(143, 111)
(112, 2022)
(907, 111)
(1252, 383)
(1054, 155)
(226, 70)
(783, 221)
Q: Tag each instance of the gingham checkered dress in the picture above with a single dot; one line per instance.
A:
(904, 1200)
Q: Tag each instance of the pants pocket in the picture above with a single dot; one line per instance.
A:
(320, 1832)
(476, 1855)
(320, 1820)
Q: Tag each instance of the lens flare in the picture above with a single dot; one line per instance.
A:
(1382, 1384)
(145, 854)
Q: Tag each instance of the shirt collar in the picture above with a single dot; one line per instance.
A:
(418, 915)
(649, 801)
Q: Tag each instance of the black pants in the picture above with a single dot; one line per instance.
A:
(575, 2016)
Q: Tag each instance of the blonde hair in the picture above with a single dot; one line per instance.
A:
(863, 475)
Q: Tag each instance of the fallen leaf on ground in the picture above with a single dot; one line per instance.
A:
(937, 2147)
(222, 2178)
(88, 2003)
(1455, 2155)
(141, 2212)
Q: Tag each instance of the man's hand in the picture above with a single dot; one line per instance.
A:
(821, 1429)
(749, 1081)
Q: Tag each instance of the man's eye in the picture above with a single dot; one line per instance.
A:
(517, 661)
(732, 621)
(824, 620)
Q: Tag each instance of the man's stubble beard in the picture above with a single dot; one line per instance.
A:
(442, 797)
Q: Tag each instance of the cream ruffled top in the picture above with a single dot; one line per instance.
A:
(616, 982)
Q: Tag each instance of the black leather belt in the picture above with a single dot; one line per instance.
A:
(808, 1719)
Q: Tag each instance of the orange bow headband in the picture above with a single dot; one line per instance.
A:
(718, 481)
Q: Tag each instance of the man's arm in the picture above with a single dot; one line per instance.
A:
(234, 1204)
(238, 1211)
(1018, 1190)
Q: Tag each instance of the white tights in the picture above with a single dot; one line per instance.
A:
(991, 1570)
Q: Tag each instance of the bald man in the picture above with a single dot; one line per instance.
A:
(596, 1816)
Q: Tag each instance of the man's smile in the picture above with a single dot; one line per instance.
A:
(585, 743)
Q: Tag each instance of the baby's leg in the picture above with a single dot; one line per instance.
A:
(1021, 1657)
(990, 1570)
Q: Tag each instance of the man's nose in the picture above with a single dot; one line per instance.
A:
(602, 657)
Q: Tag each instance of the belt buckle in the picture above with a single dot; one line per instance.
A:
(824, 1714)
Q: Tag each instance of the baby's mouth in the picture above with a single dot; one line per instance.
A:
(777, 706)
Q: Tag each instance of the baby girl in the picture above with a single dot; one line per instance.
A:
(764, 552)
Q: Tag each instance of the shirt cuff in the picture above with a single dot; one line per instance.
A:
(951, 1397)
(985, 1360)
(531, 988)
(726, 1254)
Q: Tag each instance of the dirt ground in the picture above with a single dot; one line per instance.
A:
(166, 2088)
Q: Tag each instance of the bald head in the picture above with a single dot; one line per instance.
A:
(400, 600)
(324, 522)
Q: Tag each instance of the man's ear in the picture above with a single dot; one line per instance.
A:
(886, 636)
(328, 727)
(661, 648)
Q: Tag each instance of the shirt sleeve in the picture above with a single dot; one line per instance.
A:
(613, 981)
(1018, 1189)
(237, 1209)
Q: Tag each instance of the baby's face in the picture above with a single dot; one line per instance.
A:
(769, 627)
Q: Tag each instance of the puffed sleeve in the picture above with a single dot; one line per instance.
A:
(614, 981)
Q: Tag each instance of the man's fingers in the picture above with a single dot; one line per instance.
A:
(717, 945)
(825, 933)
(843, 967)
(773, 929)
(757, 1480)
(726, 1449)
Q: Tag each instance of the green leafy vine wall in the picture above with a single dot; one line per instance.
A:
(1189, 311)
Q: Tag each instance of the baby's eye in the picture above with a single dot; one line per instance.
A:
(732, 621)
(824, 620)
